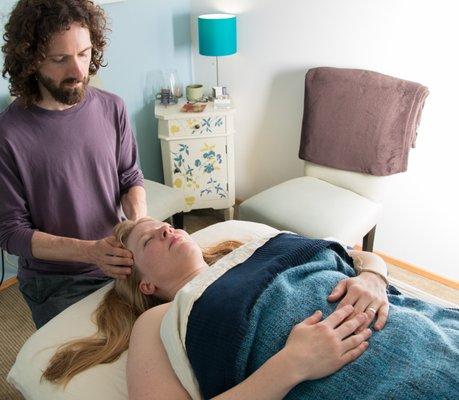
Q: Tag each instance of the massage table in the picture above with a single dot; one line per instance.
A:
(108, 381)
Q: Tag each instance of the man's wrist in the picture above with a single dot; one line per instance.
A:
(136, 216)
(134, 203)
(83, 248)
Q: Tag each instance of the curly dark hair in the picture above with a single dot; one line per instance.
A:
(28, 31)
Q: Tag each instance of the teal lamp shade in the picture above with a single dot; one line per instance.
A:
(217, 34)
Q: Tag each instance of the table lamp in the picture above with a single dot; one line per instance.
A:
(217, 36)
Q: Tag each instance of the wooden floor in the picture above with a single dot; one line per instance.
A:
(429, 286)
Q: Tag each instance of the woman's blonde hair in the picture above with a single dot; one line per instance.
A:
(114, 317)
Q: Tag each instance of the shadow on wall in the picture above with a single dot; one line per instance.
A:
(146, 127)
(181, 27)
(277, 137)
(147, 141)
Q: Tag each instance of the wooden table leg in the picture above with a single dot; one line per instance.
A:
(229, 213)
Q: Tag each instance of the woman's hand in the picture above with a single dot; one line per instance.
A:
(315, 348)
(367, 293)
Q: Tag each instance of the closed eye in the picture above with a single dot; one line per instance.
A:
(147, 241)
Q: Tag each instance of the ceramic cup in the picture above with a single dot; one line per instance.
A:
(194, 92)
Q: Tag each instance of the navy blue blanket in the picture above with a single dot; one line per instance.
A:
(245, 317)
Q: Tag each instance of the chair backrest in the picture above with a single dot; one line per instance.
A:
(369, 186)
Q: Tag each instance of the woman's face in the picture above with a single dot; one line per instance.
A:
(166, 257)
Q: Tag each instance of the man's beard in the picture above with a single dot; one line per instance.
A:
(61, 93)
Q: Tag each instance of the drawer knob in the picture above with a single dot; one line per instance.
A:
(197, 126)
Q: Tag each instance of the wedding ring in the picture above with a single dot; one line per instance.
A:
(371, 309)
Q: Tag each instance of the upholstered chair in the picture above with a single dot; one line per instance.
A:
(325, 203)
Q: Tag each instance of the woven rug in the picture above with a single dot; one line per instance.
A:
(16, 327)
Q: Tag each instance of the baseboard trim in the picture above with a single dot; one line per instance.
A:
(9, 282)
(416, 270)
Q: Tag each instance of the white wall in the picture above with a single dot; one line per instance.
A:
(410, 39)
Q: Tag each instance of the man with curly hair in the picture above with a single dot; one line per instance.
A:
(68, 159)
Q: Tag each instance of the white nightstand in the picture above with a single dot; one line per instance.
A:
(198, 155)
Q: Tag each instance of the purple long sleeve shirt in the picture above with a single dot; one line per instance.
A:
(63, 173)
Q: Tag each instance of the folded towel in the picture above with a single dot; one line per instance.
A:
(359, 120)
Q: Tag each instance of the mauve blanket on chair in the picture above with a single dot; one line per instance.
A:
(359, 120)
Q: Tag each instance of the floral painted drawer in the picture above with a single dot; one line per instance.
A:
(200, 170)
(197, 126)
(198, 156)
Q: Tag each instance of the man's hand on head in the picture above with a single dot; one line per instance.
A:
(110, 256)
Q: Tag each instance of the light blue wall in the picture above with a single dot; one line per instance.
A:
(147, 35)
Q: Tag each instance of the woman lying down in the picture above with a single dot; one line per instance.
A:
(279, 317)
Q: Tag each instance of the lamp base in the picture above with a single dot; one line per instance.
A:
(222, 102)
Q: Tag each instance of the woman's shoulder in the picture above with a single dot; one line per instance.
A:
(152, 316)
